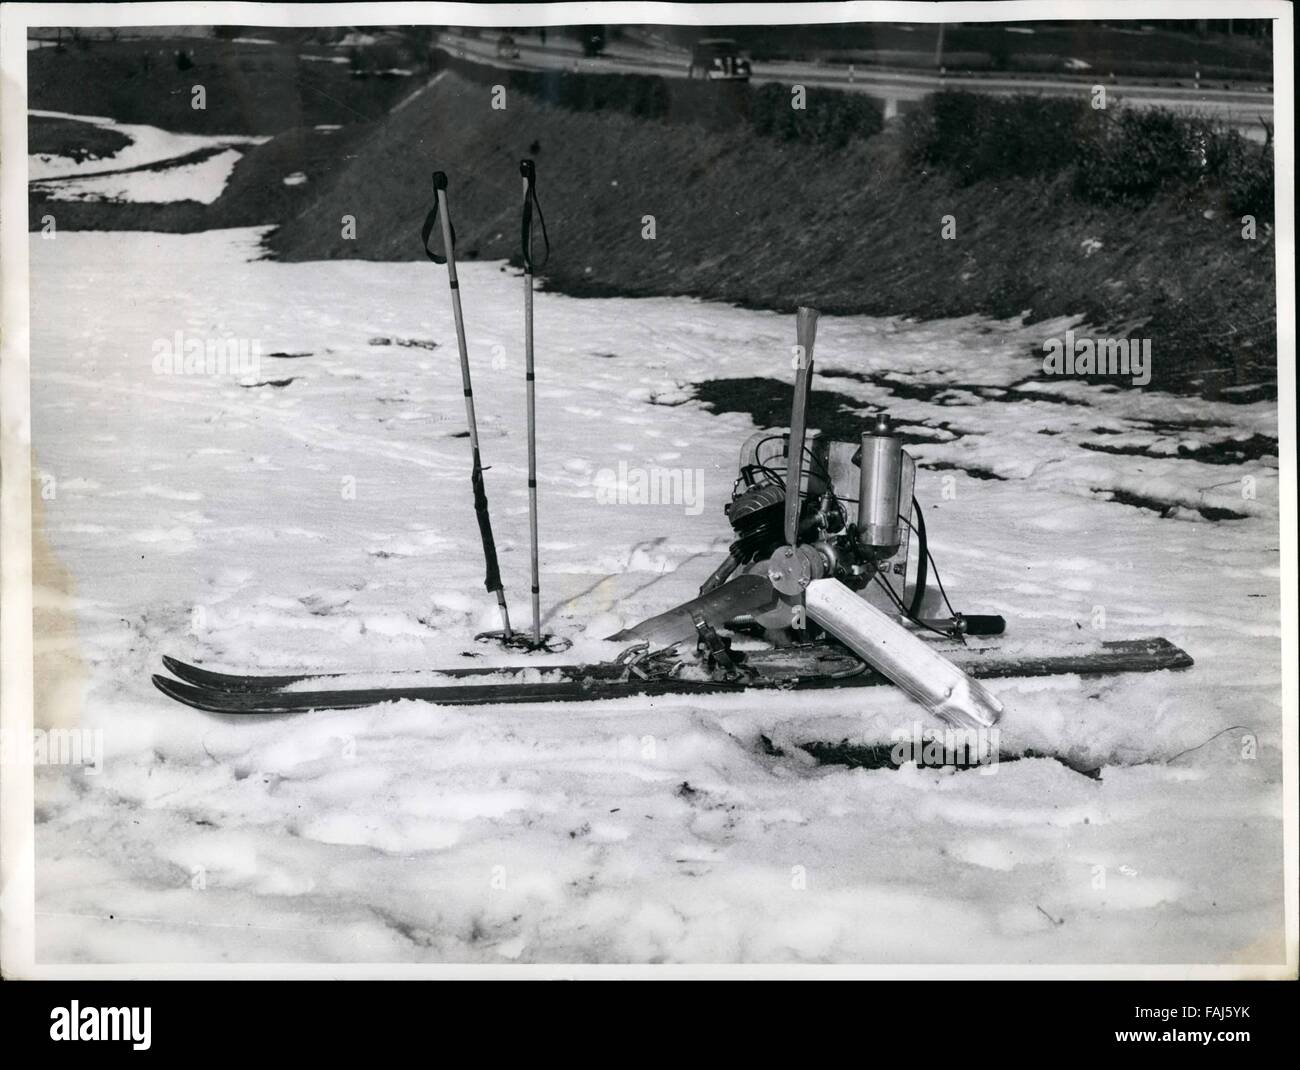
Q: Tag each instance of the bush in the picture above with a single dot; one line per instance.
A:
(1139, 153)
(1117, 157)
(1132, 156)
(983, 137)
(1244, 170)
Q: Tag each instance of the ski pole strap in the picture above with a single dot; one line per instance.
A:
(431, 220)
(492, 581)
(529, 171)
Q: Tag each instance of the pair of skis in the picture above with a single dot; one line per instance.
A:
(715, 670)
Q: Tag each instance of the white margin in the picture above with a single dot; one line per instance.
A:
(17, 903)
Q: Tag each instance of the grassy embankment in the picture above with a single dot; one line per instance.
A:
(1131, 220)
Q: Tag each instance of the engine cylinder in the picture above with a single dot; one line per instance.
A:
(880, 463)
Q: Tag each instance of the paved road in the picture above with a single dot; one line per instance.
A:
(1244, 108)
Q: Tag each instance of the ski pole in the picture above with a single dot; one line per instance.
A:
(528, 171)
(493, 579)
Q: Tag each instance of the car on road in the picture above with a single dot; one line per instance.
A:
(506, 47)
(718, 59)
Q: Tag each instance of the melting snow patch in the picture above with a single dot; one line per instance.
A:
(202, 181)
(158, 166)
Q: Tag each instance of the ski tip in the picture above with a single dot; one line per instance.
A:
(195, 697)
(1175, 657)
(225, 681)
(175, 666)
(201, 677)
(235, 704)
(174, 689)
(1157, 652)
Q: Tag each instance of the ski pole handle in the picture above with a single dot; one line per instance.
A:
(431, 220)
(528, 172)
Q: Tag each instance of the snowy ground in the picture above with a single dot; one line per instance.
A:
(157, 167)
(327, 522)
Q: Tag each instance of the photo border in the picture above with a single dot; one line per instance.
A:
(17, 830)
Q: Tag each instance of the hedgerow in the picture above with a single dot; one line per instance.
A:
(1116, 156)
(828, 117)
(1119, 156)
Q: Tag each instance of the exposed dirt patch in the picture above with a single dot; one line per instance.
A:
(973, 471)
(1168, 510)
(882, 756)
(767, 402)
(1231, 451)
(75, 140)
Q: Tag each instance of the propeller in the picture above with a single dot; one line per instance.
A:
(749, 592)
(806, 333)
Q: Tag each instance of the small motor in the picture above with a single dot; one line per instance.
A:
(757, 508)
(756, 513)
(880, 463)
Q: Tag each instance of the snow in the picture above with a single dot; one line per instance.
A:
(328, 523)
(117, 178)
(202, 181)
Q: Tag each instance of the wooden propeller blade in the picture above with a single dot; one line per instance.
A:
(806, 328)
